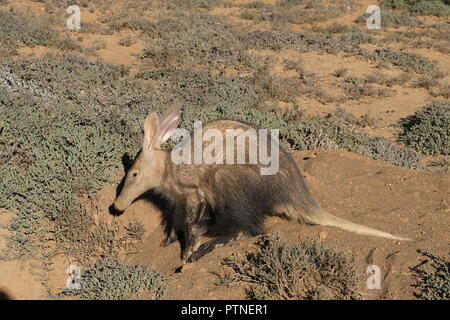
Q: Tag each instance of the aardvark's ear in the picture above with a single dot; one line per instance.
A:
(168, 126)
(151, 129)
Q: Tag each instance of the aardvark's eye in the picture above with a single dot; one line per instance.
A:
(134, 174)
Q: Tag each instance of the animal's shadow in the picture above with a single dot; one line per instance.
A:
(4, 296)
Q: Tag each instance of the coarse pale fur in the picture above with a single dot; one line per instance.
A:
(223, 200)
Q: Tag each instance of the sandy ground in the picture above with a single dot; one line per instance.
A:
(404, 202)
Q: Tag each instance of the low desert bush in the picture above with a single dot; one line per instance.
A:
(281, 270)
(419, 7)
(254, 5)
(296, 12)
(17, 30)
(65, 124)
(333, 133)
(357, 88)
(384, 79)
(428, 130)
(433, 277)
(195, 40)
(192, 4)
(307, 41)
(441, 164)
(407, 61)
(110, 279)
(426, 82)
(394, 19)
(389, 18)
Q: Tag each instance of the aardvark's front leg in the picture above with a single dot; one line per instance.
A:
(194, 210)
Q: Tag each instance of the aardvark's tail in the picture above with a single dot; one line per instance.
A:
(322, 217)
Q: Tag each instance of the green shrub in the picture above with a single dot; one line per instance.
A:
(428, 130)
(65, 124)
(406, 61)
(307, 41)
(202, 95)
(254, 5)
(16, 30)
(420, 7)
(284, 271)
(441, 164)
(51, 155)
(296, 11)
(191, 4)
(195, 40)
(390, 18)
(357, 88)
(135, 230)
(333, 133)
(110, 279)
(433, 278)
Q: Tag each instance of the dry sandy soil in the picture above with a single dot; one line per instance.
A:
(400, 201)
(410, 203)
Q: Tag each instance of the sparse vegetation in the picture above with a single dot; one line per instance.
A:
(282, 270)
(110, 279)
(443, 91)
(333, 133)
(16, 30)
(195, 40)
(254, 5)
(135, 230)
(428, 130)
(389, 18)
(191, 4)
(67, 122)
(296, 12)
(307, 41)
(419, 7)
(394, 19)
(406, 61)
(433, 277)
(357, 88)
(365, 120)
(339, 73)
(426, 82)
(383, 79)
(52, 157)
(127, 41)
(72, 151)
(441, 164)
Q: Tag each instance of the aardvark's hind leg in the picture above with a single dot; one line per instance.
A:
(170, 238)
(192, 227)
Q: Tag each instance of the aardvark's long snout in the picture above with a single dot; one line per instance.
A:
(120, 204)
